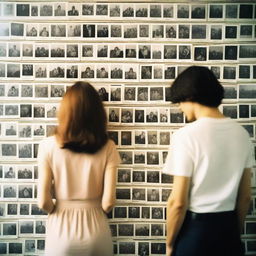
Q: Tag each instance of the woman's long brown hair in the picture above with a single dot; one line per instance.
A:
(82, 120)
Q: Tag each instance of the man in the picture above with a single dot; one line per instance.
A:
(211, 189)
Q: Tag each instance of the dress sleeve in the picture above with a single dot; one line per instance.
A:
(179, 160)
(43, 156)
(113, 158)
(250, 160)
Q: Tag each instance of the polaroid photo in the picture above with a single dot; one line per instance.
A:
(158, 72)
(153, 158)
(25, 191)
(130, 31)
(41, 91)
(2, 210)
(102, 51)
(120, 212)
(244, 111)
(73, 10)
(25, 131)
(168, 11)
(10, 130)
(144, 51)
(58, 51)
(164, 115)
(38, 130)
(34, 10)
(229, 72)
(102, 31)
(157, 32)
(138, 194)
(139, 116)
(155, 11)
(126, 157)
(183, 11)
(153, 177)
(245, 11)
(40, 227)
(185, 52)
(88, 71)
(40, 245)
(2, 90)
(200, 53)
(50, 129)
(230, 111)
(25, 172)
(152, 138)
(26, 227)
(8, 9)
(230, 92)
(25, 151)
(26, 110)
(245, 31)
(184, 31)
(231, 11)
(128, 10)
(115, 30)
(101, 10)
(32, 30)
(87, 51)
(157, 51)
(39, 111)
(126, 138)
(10, 230)
(74, 30)
(35, 211)
(72, 51)
(123, 194)
(152, 115)
(216, 11)
(244, 71)
(41, 71)
(140, 137)
(60, 9)
(89, 31)
(199, 32)
(215, 32)
(127, 248)
(127, 115)
(11, 110)
(171, 31)
(27, 51)
(26, 90)
(13, 71)
(30, 246)
(170, 52)
(166, 178)
(198, 11)
(9, 172)
(116, 51)
(51, 110)
(57, 90)
(14, 50)
(141, 10)
(28, 71)
(115, 93)
(169, 73)
(10, 191)
(56, 71)
(88, 10)
(176, 115)
(217, 71)
(17, 30)
(103, 93)
(115, 10)
(46, 10)
(4, 30)
(58, 30)
(139, 157)
(44, 30)
(138, 177)
(157, 213)
(72, 71)
(142, 94)
(12, 90)
(146, 72)
(130, 51)
(253, 111)
(157, 230)
(102, 71)
(3, 50)
(24, 210)
(164, 138)
(114, 115)
(142, 230)
(131, 71)
(247, 51)
(231, 32)
(130, 93)
(124, 176)
(153, 195)
(3, 70)
(145, 31)
(133, 212)
(215, 53)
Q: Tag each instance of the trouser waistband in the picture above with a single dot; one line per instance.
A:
(210, 215)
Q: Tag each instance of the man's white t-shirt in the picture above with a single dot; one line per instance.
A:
(214, 153)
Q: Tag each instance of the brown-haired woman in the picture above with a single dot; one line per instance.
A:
(79, 164)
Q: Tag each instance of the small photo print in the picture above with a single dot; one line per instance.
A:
(183, 11)
(46, 10)
(9, 191)
(73, 9)
(115, 30)
(26, 110)
(25, 172)
(10, 229)
(58, 30)
(9, 172)
(12, 90)
(88, 9)
(87, 71)
(101, 9)
(87, 51)
(25, 151)
(141, 10)
(59, 9)
(27, 50)
(114, 10)
(198, 12)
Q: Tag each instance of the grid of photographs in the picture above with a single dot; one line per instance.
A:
(131, 53)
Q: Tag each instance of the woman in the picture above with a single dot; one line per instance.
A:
(211, 161)
(79, 165)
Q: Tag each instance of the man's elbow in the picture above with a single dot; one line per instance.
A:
(177, 205)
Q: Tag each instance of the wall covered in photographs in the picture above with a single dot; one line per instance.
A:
(131, 52)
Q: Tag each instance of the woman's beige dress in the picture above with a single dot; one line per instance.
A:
(78, 225)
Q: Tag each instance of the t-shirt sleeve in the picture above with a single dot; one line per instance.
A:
(250, 160)
(179, 160)
(113, 158)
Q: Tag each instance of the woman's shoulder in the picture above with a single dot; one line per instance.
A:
(48, 142)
